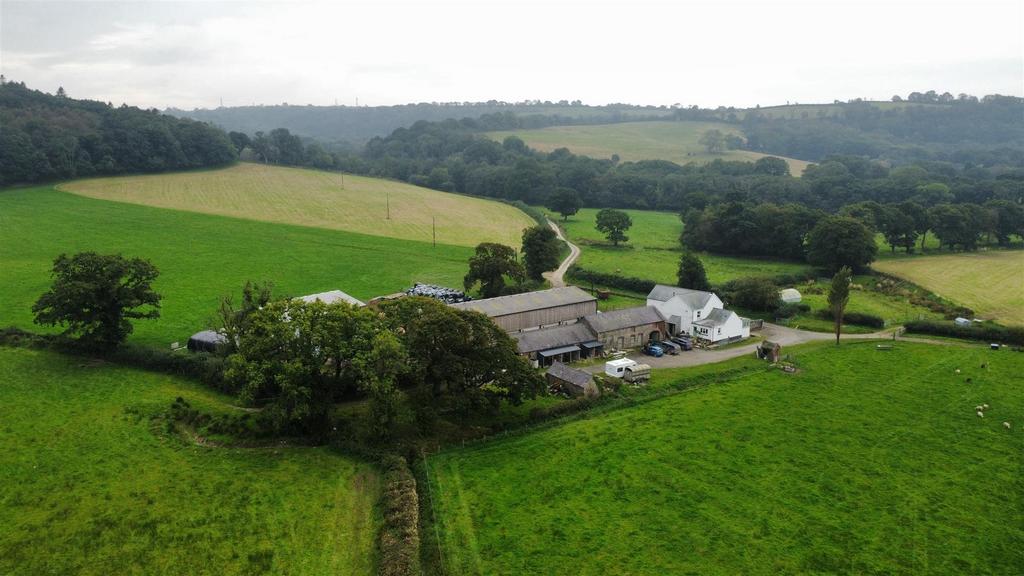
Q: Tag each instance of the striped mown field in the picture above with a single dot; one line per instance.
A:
(677, 142)
(991, 283)
(319, 199)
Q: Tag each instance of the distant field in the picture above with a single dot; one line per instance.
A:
(201, 257)
(653, 250)
(632, 141)
(864, 462)
(991, 283)
(89, 485)
(812, 111)
(319, 199)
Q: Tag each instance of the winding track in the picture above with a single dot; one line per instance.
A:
(557, 277)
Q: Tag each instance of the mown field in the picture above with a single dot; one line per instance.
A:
(677, 142)
(200, 257)
(319, 199)
(89, 484)
(991, 282)
(653, 250)
(865, 461)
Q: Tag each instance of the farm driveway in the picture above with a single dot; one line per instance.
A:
(556, 278)
(781, 334)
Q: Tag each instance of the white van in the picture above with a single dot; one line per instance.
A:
(617, 368)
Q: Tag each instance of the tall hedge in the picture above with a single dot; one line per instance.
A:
(984, 331)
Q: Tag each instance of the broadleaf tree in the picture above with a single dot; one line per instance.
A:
(95, 297)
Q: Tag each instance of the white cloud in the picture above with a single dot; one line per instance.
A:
(707, 53)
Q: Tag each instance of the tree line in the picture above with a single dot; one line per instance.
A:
(47, 137)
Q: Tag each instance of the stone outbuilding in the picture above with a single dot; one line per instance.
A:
(628, 327)
(571, 381)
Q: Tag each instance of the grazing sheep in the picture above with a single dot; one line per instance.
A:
(984, 406)
(981, 414)
(957, 370)
(978, 408)
(1006, 425)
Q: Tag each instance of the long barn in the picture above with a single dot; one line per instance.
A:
(534, 310)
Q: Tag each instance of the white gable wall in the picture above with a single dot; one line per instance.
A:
(676, 306)
(731, 328)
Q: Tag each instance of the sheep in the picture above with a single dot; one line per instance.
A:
(957, 370)
(984, 406)
(1006, 425)
(981, 414)
(978, 408)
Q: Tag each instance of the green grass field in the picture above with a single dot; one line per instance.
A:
(319, 199)
(653, 250)
(674, 141)
(991, 282)
(200, 257)
(893, 309)
(864, 462)
(89, 485)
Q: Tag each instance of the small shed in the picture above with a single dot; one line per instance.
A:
(769, 350)
(962, 322)
(206, 341)
(570, 380)
(790, 295)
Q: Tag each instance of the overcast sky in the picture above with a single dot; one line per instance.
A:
(741, 53)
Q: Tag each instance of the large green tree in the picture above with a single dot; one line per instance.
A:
(713, 140)
(489, 266)
(838, 241)
(565, 201)
(691, 273)
(301, 357)
(95, 297)
(540, 251)
(838, 297)
(613, 224)
(460, 361)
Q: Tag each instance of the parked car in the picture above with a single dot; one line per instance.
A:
(653, 350)
(669, 347)
(684, 343)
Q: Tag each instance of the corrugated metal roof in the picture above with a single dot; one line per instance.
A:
(517, 303)
(573, 376)
(623, 318)
(331, 297)
(717, 317)
(693, 298)
(547, 338)
(559, 351)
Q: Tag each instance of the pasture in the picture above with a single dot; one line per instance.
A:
(89, 484)
(653, 250)
(200, 257)
(319, 199)
(677, 142)
(864, 461)
(991, 282)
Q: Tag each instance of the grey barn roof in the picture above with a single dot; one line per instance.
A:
(573, 376)
(624, 318)
(694, 298)
(331, 297)
(517, 303)
(547, 338)
(717, 317)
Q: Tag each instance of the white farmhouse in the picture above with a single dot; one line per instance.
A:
(721, 325)
(681, 307)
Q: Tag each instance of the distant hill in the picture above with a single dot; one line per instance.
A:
(967, 130)
(675, 141)
(49, 137)
(355, 125)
